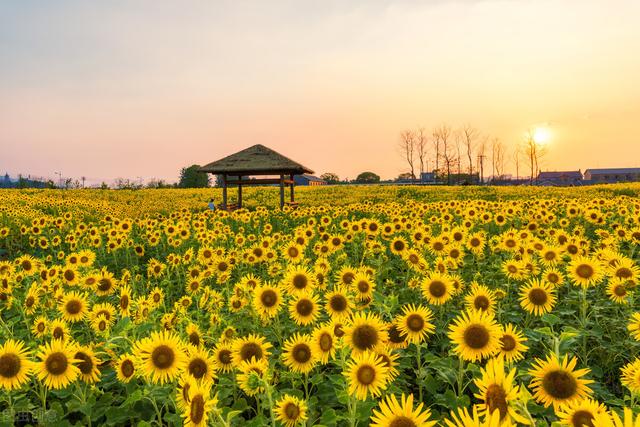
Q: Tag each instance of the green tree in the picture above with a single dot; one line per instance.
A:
(367, 178)
(330, 177)
(191, 178)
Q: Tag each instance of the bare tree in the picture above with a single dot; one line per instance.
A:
(407, 147)
(516, 161)
(470, 135)
(458, 140)
(534, 152)
(443, 134)
(482, 148)
(421, 148)
(498, 157)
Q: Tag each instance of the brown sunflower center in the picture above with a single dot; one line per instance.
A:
(325, 342)
(624, 273)
(69, 275)
(9, 365)
(582, 418)
(269, 298)
(398, 245)
(437, 288)
(301, 353)
(85, 364)
(366, 374)
(402, 421)
(620, 290)
(304, 307)
(507, 343)
(300, 281)
(194, 338)
(415, 322)
(29, 301)
(292, 411)
(348, 277)
(224, 356)
(395, 335)
(73, 306)
(250, 350)
(363, 286)
(481, 302)
(365, 337)
(476, 336)
(293, 252)
(196, 410)
(585, 271)
(58, 333)
(496, 398)
(559, 384)
(57, 363)
(475, 242)
(198, 368)
(127, 368)
(104, 284)
(163, 356)
(553, 278)
(338, 303)
(538, 296)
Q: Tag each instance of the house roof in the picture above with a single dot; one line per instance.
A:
(612, 171)
(255, 160)
(312, 178)
(560, 174)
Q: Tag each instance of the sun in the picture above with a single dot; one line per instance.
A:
(541, 135)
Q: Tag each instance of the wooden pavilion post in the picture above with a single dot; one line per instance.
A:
(281, 191)
(239, 191)
(224, 191)
(291, 186)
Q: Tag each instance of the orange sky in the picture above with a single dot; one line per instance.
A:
(140, 89)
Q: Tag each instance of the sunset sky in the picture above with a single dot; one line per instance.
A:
(141, 88)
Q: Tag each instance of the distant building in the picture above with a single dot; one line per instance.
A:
(308, 180)
(597, 176)
(560, 178)
(427, 178)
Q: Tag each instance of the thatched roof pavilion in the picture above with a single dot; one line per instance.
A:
(255, 160)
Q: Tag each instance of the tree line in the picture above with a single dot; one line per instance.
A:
(465, 155)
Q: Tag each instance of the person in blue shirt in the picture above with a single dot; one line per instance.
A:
(212, 205)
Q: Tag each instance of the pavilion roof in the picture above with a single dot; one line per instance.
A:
(255, 160)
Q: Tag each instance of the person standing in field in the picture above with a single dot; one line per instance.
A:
(212, 205)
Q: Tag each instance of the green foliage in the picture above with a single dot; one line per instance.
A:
(190, 177)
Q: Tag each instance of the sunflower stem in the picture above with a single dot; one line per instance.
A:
(268, 393)
(418, 373)
(583, 321)
(460, 376)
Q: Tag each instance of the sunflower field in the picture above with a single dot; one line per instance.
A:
(377, 305)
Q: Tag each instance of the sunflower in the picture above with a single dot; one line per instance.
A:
(298, 354)
(39, 326)
(553, 276)
(253, 373)
(634, 326)
(161, 356)
(465, 419)
(612, 419)
(250, 347)
(366, 332)
(73, 307)
(394, 413)
(437, 288)
(124, 302)
(298, 279)
(415, 323)
(363, 286)
(580, 413)
(537, 297)
(557, 383)
(291, 411)
(200, 405)
(584, 271)
(476, 335)
(88, 363)
(303, 308)
(200, 364)
(625, 269)
(59, 330)
(511, 343)
(480, 298)
(194, 335)
(323, 343)
(338, 305)
(498, 392)
(125, 368)
(390, 360)
(398, 246)
(31, 300)
(514, 269)
(630, 377)
(366, 374)
(15, 365)
(267, 300)
(57, 368)
(223, 357)
(106, 284)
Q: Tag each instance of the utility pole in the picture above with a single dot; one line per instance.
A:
(481, 162)
(59, 179)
